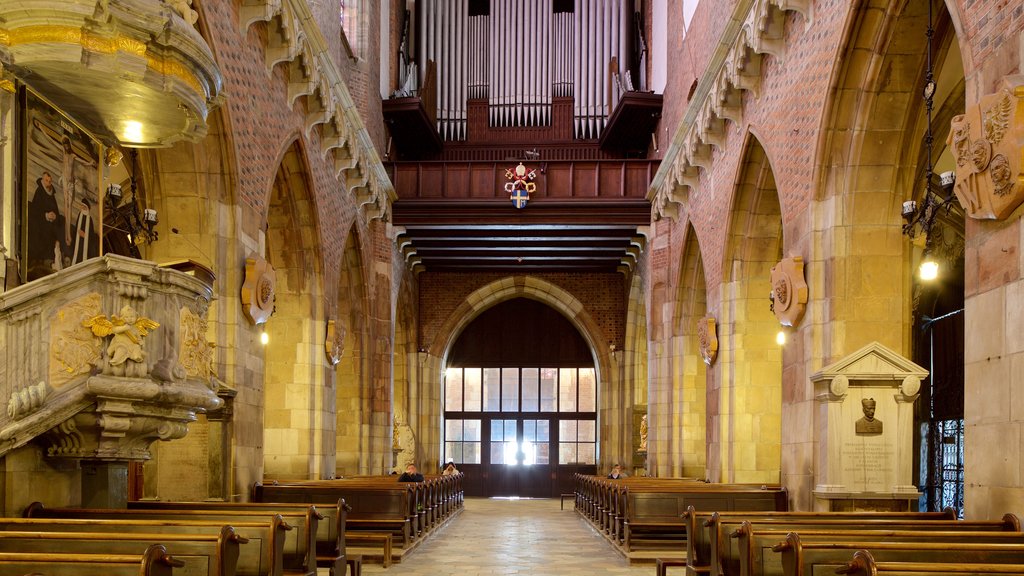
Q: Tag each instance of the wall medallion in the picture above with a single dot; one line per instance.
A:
(707, 339)
(789, 290)
(986, 142)
(258, 289)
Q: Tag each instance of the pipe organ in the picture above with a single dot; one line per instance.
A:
(519, 54)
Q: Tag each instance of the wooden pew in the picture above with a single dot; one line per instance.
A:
(299, 546)
(660, 511)
(199, 554)
(756, 557)
(800, 559)
(155, 561)
(374, 508)
(330, 533)
(383, 539)
(262, 555)
(864, 564)
(430, 502)
(703, 527)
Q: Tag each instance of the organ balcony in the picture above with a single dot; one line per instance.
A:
(133, 71)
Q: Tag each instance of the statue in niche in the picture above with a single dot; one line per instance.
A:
(643, 434)
(125, 356)
(403, 442)
(869, 424)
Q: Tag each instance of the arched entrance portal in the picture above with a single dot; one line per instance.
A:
(520, 402)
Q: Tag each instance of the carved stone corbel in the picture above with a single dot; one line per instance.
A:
(707, 339)
(258, 290)
(789, 290)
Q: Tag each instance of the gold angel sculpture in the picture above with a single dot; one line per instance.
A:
(125, 356)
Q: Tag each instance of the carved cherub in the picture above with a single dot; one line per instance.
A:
(124, 352)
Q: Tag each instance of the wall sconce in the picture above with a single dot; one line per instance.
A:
(937, 196)
(140, 228)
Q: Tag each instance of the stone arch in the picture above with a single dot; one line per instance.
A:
(745, 399)
(190, 185)
(623, 407)
(871, 160)
(520, 286)
(294, 438)
(406, 392)
(533, 288)
(682, 396)
(352, 393)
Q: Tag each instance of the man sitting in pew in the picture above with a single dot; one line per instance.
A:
(410, 474)
(617, 472)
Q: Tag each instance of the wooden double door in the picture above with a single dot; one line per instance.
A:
(519, 456)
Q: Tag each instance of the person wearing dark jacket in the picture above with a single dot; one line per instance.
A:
(410, 474)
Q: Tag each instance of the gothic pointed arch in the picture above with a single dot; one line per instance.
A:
(353, 397)
(294, 431)
(874, 158)
(745, 399)
(679, 423)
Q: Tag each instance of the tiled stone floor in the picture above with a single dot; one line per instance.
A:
(514, 537)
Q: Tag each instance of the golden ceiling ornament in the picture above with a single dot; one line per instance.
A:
(789, 290)
(707, 339)
(986, 143)
(258, 290)
(334, 344)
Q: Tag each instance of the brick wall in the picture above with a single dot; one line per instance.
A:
(603, 296)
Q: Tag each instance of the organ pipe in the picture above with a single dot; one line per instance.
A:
(519, 56)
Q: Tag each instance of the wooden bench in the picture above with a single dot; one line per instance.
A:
(808, 559)
(262, 555)
(373, 508)
(199, 554)
(706, 530)
(330, 541)
(155, 561)
(382, 539)
(864, 564)
(756, 556)
(299, 546)
(659, 513)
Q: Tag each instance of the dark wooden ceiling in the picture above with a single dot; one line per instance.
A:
(583, 216)
(493, 236)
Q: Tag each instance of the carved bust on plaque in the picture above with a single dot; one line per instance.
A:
(869, 424)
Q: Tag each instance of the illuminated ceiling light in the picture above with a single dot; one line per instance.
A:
(264, 338)
(929, 269)
(780, 338)
(133, 131)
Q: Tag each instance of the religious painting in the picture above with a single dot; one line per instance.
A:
(8, 117)
(62, 190)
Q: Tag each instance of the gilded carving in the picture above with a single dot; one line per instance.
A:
(75, 350)
(196, 354)
(127, 331)
(707, 339)
(335, 342)
(986, 142)
(258, 289)
(789, 290)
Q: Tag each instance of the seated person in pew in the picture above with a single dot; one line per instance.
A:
(617, 472)
(449, 469)
(410, 474)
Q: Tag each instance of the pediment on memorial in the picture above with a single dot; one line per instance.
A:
(872, 362)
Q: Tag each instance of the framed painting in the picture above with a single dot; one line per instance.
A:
(62, 183)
